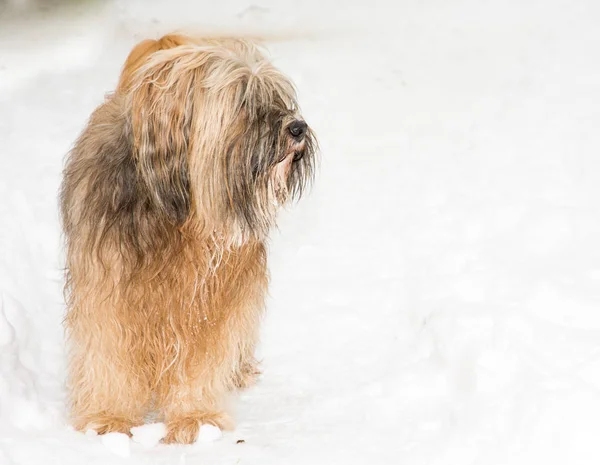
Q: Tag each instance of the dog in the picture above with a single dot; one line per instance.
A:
(167, 200)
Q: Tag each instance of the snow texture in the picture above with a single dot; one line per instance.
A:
(209, 433)
(117, 443)
(150, 434)
(434, 300)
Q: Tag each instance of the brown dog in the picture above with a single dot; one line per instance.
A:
(167, 200)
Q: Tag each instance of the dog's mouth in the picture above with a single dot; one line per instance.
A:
(292, 156)
(281, 171)
(296, 149)
(294, 153)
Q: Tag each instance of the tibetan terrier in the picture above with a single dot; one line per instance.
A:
(167, 200)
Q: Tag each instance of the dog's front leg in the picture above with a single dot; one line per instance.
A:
(218, 359)
(192, 398)
(107, 391)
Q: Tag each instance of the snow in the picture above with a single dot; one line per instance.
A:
(435, 299)
(209, 433)
(117, 443)
(149, 435)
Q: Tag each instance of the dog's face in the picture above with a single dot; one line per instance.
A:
(218, 138)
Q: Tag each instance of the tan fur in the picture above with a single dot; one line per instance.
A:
(140, 53)
(167, 199)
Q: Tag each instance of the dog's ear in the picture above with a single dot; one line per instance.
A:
(142, 51)
(162, 107)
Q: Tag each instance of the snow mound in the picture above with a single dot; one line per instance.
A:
(209, 433)
(149, 435)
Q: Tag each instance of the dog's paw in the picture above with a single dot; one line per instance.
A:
(247, 375)
(104, 423)
(185, 429)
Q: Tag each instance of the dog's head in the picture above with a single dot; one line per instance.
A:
(217, 136)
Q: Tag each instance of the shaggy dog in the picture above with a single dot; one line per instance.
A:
(167, 200)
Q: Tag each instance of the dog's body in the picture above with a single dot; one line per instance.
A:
(167, 199)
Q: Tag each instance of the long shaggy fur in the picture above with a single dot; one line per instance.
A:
(167, 199)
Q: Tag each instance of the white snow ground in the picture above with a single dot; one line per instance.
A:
(435, 300)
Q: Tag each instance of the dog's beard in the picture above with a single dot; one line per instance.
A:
(268, 170)
(279, 184)
(286, 180)
(281, 178)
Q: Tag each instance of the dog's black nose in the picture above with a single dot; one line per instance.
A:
(297, 129)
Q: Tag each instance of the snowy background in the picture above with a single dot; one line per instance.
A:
(436, 298)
